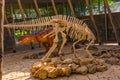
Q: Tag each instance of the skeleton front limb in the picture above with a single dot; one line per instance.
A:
(52, 32)
(55, 42)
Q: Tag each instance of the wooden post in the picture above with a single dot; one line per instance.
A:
(2, 37)
(12, 38)
(21, 9)
(54, 7)
(37, 8)
(71, 7)
(111, 20)
(10, 35)
(92, 18)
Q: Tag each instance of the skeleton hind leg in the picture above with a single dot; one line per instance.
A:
(90, 55)
(76, 43)
(73, 46)
(62, 45)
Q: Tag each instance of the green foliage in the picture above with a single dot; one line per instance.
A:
(79, 7)
(95, 2)
(50, 11)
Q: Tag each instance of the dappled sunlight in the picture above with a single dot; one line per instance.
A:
(17, 68)
(16, 75)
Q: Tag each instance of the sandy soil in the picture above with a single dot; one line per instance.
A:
(17, 68)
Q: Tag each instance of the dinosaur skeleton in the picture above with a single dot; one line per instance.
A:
(74, 27)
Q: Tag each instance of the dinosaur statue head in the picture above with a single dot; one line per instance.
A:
(27, 39)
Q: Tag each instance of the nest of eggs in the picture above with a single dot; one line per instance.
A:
(56, 68)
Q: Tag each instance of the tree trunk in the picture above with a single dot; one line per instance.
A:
(1, 36)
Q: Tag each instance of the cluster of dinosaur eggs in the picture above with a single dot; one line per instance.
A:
(66, 67)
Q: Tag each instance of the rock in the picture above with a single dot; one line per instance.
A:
(91, 68)
(64, 70)
(73, 66)
(82, 70)
(114, 54)
(67, 71)
(106, 55)
(60, 71)
(119, 63)
(57, 61)
(100, 61)
(112, 61)
(38, 72)
(67, 61)
(101, 68)
(42, 74)
(97, 53)
(103, 52)
(86, 61)
(37, 66)
(33, 56)
(53, 64)
(76, 61)
(93, 48)
(33, 70)
(118, 55)
(53, 72)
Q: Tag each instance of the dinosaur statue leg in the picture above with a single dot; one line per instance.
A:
(39, 44)
(62, 45)
(46, 45)
(55, 42)
(90, 55)
(31, 45)
(51, 38)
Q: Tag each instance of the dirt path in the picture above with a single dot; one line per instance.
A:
(17, 68)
